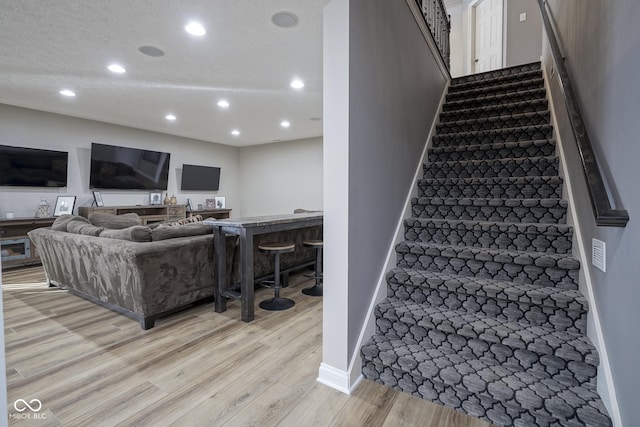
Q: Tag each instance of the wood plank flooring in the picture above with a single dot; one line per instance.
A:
(93, 367)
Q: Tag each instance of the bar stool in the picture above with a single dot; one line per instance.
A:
(277, 303)
(315, 290)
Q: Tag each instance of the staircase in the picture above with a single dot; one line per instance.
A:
(483, 312)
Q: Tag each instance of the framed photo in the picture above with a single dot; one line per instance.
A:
(64, 205)
(211, 203)
(189, 206)
(220, 202)
(97, 197)
(155, 198)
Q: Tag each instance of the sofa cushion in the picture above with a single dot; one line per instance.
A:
(77, 226)
(116, 222)
(135, 233)
(171, 232)
(183, 221)
(60, 223)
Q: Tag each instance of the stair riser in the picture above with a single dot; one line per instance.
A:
(496, 90)
(511, 78)
(529, 133)
(492, 169)
(530, 314)
(501, 151)
(518, 214)
(491, 123)
(496, 101)
(548, 272)
(491, 236)
(507, 190)
(521, 359)
(482, 111)
(497, 412)
(496, 73)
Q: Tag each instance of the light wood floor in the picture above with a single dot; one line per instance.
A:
(92, 367)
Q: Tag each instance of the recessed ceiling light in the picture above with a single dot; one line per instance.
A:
(170, 117)
(223, 103)
(151, 51)
(297, 84)
(284, 20)
(195, 29)
(235, 132)
(116, 68)
(67, 92)
(285, 124)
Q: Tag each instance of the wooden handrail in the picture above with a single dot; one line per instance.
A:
(604, 214)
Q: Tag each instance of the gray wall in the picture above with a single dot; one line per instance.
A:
(394, 88)
(280, 177)
(602, 46)
(523, 40)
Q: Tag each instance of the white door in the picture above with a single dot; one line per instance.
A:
(488, 35)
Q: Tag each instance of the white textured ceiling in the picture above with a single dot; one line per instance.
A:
(49, 45)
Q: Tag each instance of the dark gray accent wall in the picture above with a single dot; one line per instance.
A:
(602, 46)
(523, 39)
(395, 87)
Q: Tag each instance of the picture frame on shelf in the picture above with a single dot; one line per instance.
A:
(155, 198)
(189, 206)
(211, 203)
(220, 202)
(64, 205)
(97, 198)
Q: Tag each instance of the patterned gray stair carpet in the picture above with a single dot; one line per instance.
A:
(483, 312)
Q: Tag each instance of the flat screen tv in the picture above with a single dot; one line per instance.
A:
(200, 178)
(125, 168)
(33, 167)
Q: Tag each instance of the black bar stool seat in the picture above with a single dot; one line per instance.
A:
(277, 303)
(315, 290)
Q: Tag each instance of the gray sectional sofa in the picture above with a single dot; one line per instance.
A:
(146, 272)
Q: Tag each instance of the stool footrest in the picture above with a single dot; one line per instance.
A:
(231, 294)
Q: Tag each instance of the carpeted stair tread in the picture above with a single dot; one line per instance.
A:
(540, 340)
(494, 110)
(519, 292)
(546, 211)
(477, 137)
(502, 150)
(501, 394)
(496, 73)
(498, 88)
(541, 238)
(496, 99)
(534, 118)
(512, 187)
(541, 269)
(498, 168)
(495, 81)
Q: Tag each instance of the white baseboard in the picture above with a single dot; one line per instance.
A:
(334, 378)
(605, 385)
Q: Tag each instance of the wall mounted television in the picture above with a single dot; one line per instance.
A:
(200, 178)
(124, 168)
(33, 167)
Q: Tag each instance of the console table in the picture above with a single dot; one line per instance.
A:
(246, 228)
(16, 247)
(147, 213)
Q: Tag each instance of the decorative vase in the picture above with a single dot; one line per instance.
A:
(174, 200)
(166, 199)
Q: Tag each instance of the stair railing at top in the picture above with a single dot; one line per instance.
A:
(437, 19)
(605, 215)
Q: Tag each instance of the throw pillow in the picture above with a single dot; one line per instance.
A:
(186, 230)
(116, 222)
(135, 233)
(60, 223)
(82, 227)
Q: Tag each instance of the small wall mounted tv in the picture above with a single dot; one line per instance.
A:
(200, 178)
(125, 168)
(33, 167)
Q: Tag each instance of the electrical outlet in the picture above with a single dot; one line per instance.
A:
(599, 254)
(523, 16)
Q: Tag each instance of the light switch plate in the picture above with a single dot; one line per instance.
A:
(523, 16)
(599, 254)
